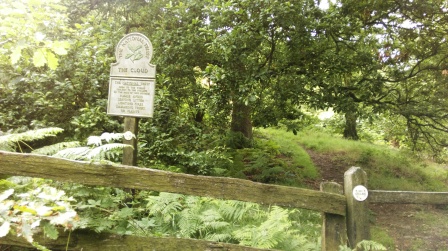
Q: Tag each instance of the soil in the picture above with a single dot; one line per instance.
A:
(412, 227)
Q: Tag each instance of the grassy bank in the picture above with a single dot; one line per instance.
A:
(387, 168)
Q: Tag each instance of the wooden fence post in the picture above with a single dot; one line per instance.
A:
(355, 183)
(130, 154)
(334, 228)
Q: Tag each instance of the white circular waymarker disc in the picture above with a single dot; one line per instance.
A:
(128, 135)
(360, 193)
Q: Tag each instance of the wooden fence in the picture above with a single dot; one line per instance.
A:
(345, 220)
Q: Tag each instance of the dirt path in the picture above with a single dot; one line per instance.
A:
(412, 227)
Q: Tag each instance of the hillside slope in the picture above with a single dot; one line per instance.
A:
(399, 227)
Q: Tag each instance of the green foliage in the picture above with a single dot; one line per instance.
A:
(55, 148)
(35, 97)
(14, 141)
(33, 205)
(162, 214)
(233, 221)
(172, 139)
(41, 24)
(231, 65)
(98, 148)
(275, 158)
(382, 236)
(237, 140)
(93, 120)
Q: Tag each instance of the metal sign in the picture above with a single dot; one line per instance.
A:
(132, 78)
(360, 193)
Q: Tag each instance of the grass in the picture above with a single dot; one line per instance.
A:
(280, 157)
(387, 168)
(381, 236)
(275, 158)
(289, 146)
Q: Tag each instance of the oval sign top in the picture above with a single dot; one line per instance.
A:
(133, 54)
(134, 47)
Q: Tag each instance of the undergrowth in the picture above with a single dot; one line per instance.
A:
(276, 157)
(272, 159)
(114, 210)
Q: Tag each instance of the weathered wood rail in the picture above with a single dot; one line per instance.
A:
(91, 241)
(97, 174)
(90, 173)
(408, 197)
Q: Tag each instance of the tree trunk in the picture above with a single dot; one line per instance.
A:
(350, 131)
(241, 119)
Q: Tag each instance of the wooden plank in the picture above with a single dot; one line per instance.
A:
(334, 227)
(84, 241)
(156, 180)
(408, 197)
(358, 226)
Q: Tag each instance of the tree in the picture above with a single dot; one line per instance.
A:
(249, 43)
(32, 40)
(380, 48)
(221, 59)
(413, 60)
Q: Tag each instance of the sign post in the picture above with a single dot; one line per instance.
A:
(131, 88)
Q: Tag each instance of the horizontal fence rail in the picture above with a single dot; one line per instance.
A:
(85, 241)
(90, 173)
(408, 197)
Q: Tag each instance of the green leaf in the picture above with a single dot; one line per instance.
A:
(60, 47)
(146, 223)
(52, 61)
(50, 231)
(125, 212)
(16, 55)
(39, 59)
(25, 209)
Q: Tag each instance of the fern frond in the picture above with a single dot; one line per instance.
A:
(7, 142)
(94, 140)
(165, 203)
(109, 137)
(219, 237)
(99, 152)
(53, 149)
(213, 220)
(106, 136)
(76, 153)
(236, 210)
(370, 246)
